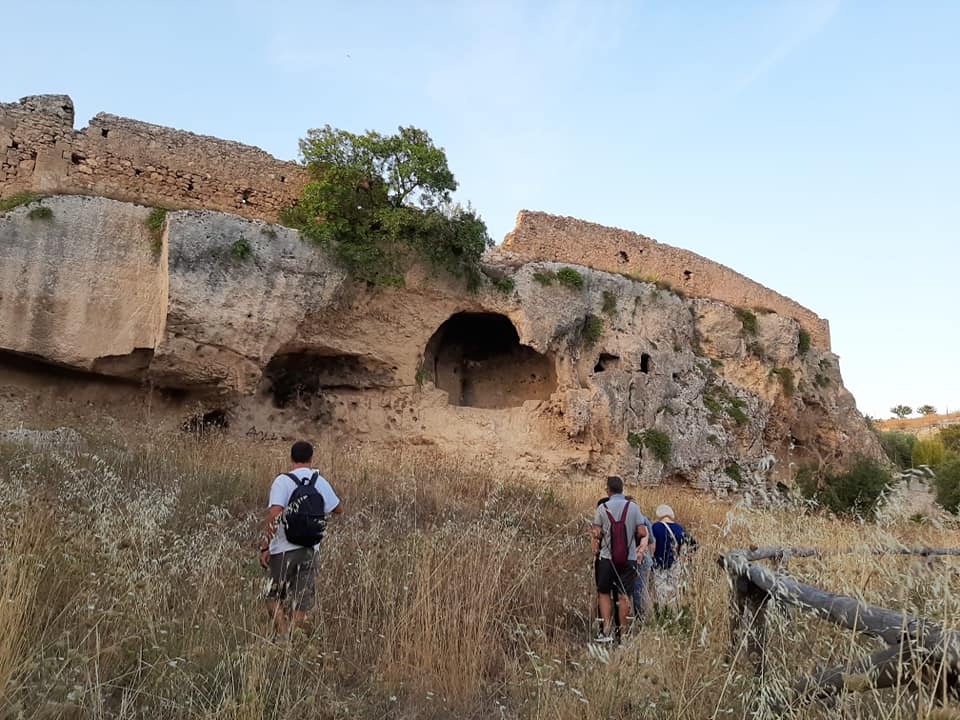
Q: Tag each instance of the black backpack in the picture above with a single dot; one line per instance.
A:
(304, 518)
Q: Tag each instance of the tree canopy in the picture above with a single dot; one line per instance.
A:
(380, 200)
(927, 410)
(901, 411)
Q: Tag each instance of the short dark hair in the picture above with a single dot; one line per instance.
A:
(301, 452)
(615, 484)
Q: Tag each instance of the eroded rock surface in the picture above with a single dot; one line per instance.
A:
(247, 320)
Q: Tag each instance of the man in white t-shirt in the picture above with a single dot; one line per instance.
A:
(293, 568)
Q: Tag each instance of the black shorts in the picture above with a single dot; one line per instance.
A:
(609, 578)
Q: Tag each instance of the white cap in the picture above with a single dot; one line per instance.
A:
(665, 511)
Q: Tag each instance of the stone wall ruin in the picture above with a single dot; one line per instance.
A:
(552, 238)
(137, 162)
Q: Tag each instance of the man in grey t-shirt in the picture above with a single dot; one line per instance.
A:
(609, 576)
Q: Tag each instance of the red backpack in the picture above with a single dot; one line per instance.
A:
(619, 542)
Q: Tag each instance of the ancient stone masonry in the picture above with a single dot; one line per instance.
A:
(542, 237)
(137, 162)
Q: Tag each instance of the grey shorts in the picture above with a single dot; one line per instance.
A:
(293, 578)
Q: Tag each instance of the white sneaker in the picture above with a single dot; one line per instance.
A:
(603, 638)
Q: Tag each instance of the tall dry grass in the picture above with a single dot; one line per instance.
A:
(446, 590)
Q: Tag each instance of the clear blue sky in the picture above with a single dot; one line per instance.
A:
(811, 145)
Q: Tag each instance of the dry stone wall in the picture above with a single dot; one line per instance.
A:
(542, 237)
(128, 160)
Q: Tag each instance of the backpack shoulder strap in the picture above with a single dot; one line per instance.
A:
(306, 481)
(626, 509)
(606, 509)
(313, 479)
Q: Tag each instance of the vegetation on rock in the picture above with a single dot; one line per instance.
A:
(18, 199)
(381, 201)
(748, 320)
(568, 277)
(657, 441)
(41, 212)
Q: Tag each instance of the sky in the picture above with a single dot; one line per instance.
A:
(812, 145)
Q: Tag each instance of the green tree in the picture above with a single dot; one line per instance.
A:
(379, 200)
(927, 410)
(901, 411)
(929, 451)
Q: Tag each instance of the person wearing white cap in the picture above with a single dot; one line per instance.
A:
(671, 539)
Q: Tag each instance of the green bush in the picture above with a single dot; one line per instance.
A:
(734, 473)
(545, 277)
(929, 451)
(379, 201)
(609, 303)
(505, 285)
(821, 380)
(947, 485)
(41, 212)
(803, 344)
(748, 320)
(898, 447)
(241, 249)
(857, 492)
(592, 330)
(17, 199)
(570, 278)
(657, 441)
(950, 437)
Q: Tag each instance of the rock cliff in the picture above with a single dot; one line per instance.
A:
(601, 373)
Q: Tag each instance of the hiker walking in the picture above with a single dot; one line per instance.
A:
(642, 596)
(296, 519)
(619, 532)
(671, 543)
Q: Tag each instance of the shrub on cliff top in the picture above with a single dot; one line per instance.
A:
(379, 201)
(18, 199)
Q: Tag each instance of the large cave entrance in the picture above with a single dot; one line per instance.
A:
(478, 360)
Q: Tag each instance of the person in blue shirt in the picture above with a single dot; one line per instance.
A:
(671, 542)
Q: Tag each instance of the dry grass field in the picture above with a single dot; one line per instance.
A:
(130, 589)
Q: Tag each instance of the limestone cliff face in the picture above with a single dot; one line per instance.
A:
(557, 379)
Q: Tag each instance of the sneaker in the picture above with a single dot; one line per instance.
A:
(603, 638)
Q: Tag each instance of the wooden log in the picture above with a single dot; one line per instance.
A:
(785, 553)
(928, 644)
(840, 609)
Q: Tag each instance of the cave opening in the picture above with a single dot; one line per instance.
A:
(606, 361)
(478, 360)
(302, 375)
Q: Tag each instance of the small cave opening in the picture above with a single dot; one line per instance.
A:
(478, 360)
(14, 145)
(298, 377)
(205, 422)
(624, 258)
(687, 274)
(645, 363)
(104, 132)
(605, 362)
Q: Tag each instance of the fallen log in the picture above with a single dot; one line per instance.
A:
(785, 553)
(934, 652)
